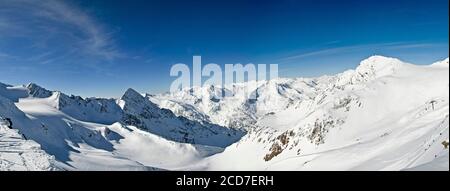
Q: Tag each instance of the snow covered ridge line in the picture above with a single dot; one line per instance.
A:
(94, 134)
(216, 75)
(384, 115)
(236, 110)
(131, 109)
(384, 110)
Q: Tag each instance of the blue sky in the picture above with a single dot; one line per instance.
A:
(103, 47)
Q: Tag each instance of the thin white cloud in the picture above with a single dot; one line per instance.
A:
(4, 55)
(338, 50)
(43, 21)
(99, 42)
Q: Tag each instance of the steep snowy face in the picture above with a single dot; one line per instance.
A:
(90, 109)
(144, 114)
(76, 129)
(182, 109)
(77, 144)
(36, 91)
(13, 93)
(135, 104)
(8, 109)
(136, 110)
(280, 94)
(236, 109)
(384, 115)
(307, 123)
(210, 104)
(98, 110)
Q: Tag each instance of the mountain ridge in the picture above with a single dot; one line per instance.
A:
(294, 124)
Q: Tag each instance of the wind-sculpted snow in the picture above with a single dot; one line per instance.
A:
(94, 133)
(384, 115)
(134, 109)
(16, 153)
(142, 113)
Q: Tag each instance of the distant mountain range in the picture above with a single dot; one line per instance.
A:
(384, 115)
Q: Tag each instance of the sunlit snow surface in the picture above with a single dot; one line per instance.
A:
(19, 154)
(384, 115)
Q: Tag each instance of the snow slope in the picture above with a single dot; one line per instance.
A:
(86, 145)
(79, 145)
(384, 115)
(144, 114)
(16, 153)
(439, 164)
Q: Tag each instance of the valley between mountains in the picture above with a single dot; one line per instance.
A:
(384, 115)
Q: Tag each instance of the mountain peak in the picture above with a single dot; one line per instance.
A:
(38, 91)
(379, 57)
(370, 68)
(4, 85)
(32, 85)
(132, 97)
(131, 93)
(379, 61)
(378, 66)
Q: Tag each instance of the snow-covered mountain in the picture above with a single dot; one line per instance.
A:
(144, 114)
(134, 109)
(384, 115)
(130, 133)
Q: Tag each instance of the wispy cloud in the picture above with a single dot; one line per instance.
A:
(3, 55)
(352, 48)
(57, 23)
(337, 59)
(40, 56)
